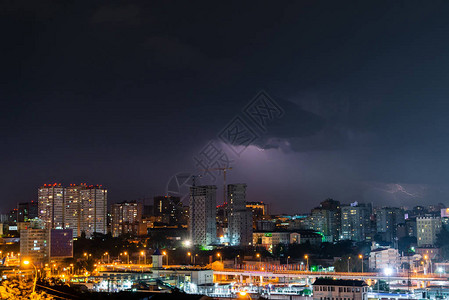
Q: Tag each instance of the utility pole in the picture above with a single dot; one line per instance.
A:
(408, 271)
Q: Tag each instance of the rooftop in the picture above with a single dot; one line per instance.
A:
(339, 282)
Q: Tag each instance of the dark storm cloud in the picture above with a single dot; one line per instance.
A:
(122, 14)
(125, 94)
(170, 54)
(294, 123)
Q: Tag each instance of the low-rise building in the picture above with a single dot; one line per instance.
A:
(429, 253)
(34, 245)
(382, 258)
(268, 240)
(327, 289)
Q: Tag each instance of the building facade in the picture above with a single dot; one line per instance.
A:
(73, 207)
(427, 227)
(258, 209)
(241, 228)
(202, 222)
(356, 222)
(240, 220)
(81, 208)
(387, 220)
(51, 205)
(339, 289)
(93, 210)
(381, 258)
(269, 240)
(167, 209)
(34, 245)
(127, 219)
(27, 211)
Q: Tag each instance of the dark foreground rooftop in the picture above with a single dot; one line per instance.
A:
(339, 282)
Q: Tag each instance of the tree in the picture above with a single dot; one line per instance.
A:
(443, 237)
(354, 263)
(443, 242)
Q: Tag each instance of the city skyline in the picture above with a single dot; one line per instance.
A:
(148, 200)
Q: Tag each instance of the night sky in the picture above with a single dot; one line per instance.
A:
(127, 94)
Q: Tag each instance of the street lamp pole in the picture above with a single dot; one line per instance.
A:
(307, 259)
(361, 257)
(27, 262)
(127, 256)
(349, 258)
(166, 255)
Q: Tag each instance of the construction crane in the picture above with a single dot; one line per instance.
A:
(224, 170)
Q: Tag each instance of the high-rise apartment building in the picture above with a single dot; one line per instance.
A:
(334, 207)
(167, 209)
(322, 220)
(240, 223)
(51, 205)
(428, 227)
(73, 208)
(81, 208)
(94, 210)
(241, 228)
(127, 219)
(356, 222)
(202, 226)
(387, 220)
(325, 219)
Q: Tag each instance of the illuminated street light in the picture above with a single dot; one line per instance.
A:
(426, 258)
(307, 265)
(166, 255)
(107, 253)
(361, 257)
(187, 243)
(388, 271)
(219, 255)
(144, 254)
(349, 259)
(126, 254)
(244, 295)
(26, 263)
(235, 260)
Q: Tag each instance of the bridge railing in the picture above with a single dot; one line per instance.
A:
(340, 274)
